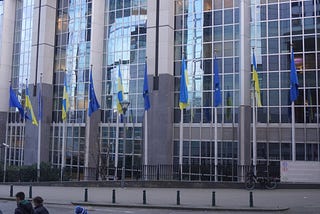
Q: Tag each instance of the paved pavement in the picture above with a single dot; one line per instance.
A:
(166, 198)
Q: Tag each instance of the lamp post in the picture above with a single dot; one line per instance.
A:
(6, 146)
(124, 105)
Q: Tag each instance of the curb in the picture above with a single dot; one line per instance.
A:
(182, 207)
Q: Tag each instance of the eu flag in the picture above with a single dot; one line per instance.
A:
(93, 102)
(294, 84)
(146, 89)
(65, 100)
(14, 102)
(29, 108)
(183, 101)
(120, 92)
(217, 92)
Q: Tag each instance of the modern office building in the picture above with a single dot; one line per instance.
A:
(45, 43)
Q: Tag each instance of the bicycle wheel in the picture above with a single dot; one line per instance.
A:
(271, 183)
(250, 184)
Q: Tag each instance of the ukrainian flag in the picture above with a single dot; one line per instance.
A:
(29, 108)
(65, 101)
(183, 101)
(256, 81)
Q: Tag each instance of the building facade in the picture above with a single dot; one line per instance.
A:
(46, 43)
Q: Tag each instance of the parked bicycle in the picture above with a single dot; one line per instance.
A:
(267, 181)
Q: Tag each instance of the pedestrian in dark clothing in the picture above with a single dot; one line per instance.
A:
(38, 206)
(80, 210)
(23, 206)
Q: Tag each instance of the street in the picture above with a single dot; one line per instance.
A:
(7, 207)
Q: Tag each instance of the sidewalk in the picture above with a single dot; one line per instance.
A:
(164, 198)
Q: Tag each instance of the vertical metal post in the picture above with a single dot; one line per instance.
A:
(113, 196)
(251, 199)
(144, 197)
(178, 197)
(30, 191)
(11, 190)
(213, 198)
(85, 194)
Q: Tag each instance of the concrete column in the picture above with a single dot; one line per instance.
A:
(7, 33)
(96, 59)
(42, 59)
(244, 156)
(160, 116)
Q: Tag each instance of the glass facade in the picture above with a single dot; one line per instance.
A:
(203, 30)
(124, 52)
(19, 78)
(71, 64)
(208, 28)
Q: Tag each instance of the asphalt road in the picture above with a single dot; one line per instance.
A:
(7, 207)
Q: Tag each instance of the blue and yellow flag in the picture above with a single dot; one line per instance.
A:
(93, 102)
(217, 91)
(29, 108)
(294, 84)
(120, 92)
(183, 101)
(65, 100)
(256, 81)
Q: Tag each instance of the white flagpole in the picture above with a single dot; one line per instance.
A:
(254, 134)
(39, 130)
(181, 143)
(146, 138)
(63, 150)
(215, 145)
(293, 120)
(116, 150)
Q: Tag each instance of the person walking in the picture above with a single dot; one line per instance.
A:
(38, 206)
(23, 206)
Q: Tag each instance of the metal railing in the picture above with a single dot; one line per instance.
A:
(160, 172)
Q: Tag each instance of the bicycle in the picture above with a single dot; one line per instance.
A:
(267, 182)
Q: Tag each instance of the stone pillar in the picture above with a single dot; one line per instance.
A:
(160, 116)
(43, 38)
(7, 33)
(92, 153)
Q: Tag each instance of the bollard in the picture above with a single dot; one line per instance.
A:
(213, 198)
(30, 191)
(85, 195)
(144, 197)
(251, 199)
(178, 197)
(11, 190)
(113, 196)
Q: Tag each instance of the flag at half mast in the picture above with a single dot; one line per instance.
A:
(255, 79)
(294, 84)
(217, 91)
(120, 92)
(29, 108)
(93, 102)
(183, 101)
(65, 100)
(14, 102)
(146, 89)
